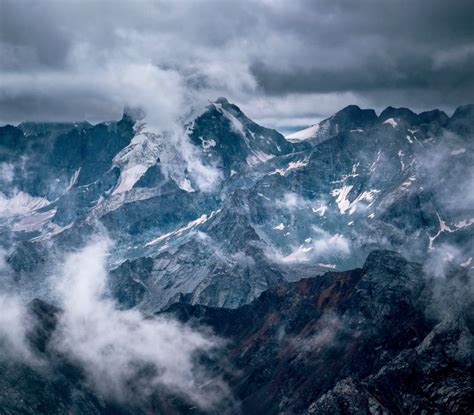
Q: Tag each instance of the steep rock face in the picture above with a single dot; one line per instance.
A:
(232, 140)
(220, 262)
(53, 154)
(128, 287)
(462, 121)
(328, 207)
(279, 212)
(435, 116)
(349, 118)
(361, 341)
(404, 114)
(12, 143)
(91, 149)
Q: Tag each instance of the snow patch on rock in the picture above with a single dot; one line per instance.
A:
(391, 121)
(293, 165)
(178, 232)
(304, 134)
(20, 203)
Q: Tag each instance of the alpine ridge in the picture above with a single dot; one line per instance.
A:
(323, 203)
(334, 265)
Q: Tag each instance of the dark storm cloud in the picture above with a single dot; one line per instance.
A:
(25, 41)
(282, 61)
(366, 46)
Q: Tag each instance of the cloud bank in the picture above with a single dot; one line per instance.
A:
(285, 63)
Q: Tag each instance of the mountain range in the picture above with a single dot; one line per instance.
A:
(335, 262)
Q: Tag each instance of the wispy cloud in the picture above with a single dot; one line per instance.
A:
(125, 355)
(14, 325)
(322, 246)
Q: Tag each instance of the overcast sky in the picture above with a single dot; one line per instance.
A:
(286, 63)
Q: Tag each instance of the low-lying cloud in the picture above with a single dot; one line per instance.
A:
(14, 325)
(125, 355)
(450, 285)
(322, 246)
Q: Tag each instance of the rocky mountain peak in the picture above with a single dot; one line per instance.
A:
(404, 114)
(462, 121)
(353, 117)
(433, 116)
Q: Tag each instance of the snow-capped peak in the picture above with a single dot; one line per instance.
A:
(304, 134)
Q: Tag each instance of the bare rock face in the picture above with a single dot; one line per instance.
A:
(278, 210)
(362, 341)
